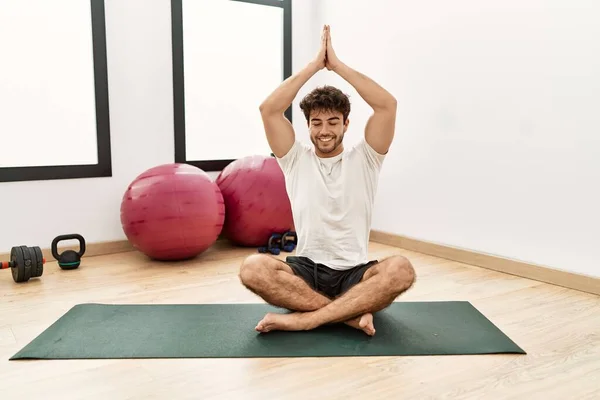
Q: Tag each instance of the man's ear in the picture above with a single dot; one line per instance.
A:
(346, 123)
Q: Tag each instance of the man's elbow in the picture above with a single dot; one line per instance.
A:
(392, 103)
(389, 104)
(267, 109)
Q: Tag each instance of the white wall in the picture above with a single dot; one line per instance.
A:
(498, 133)
(141, 107)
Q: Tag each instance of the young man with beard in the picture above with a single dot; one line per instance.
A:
(332, 191)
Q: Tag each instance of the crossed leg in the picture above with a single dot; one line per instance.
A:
(275, 282)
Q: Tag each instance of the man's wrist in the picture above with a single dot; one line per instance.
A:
(313, 67)
(339, 68)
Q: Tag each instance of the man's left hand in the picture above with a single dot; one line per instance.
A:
(332, 62)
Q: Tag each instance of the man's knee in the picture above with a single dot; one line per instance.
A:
(251, 268)
(401, 274)
(255, 269)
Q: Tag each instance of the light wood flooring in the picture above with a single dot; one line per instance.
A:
(558, 327)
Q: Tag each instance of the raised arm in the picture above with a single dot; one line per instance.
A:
(380, 128)
(279, 130)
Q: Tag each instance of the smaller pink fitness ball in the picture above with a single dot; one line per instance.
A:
(256, 200)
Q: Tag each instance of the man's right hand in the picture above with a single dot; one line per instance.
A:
(321, 58)
(279, 130)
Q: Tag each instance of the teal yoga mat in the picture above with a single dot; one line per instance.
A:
(97, 331)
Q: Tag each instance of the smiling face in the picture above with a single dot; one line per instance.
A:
(327, 129)
(326, 110)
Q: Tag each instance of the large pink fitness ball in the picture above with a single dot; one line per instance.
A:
(256, 200)
(172, 212)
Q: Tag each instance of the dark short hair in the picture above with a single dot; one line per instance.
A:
(326, 98)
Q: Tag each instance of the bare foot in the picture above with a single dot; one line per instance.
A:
(282, 322)
(363, 323)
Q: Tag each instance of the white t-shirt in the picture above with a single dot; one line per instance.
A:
(332, 201)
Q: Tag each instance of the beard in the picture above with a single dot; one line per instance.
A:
(327, 146)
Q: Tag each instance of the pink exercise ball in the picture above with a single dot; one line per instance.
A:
(172, 212)
(256, 200)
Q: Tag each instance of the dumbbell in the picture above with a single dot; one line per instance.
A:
(273, 246)
(277, 242)
(25, 263)
(289, 241)
(28, 262)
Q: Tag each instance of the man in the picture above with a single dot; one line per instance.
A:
(332, 192)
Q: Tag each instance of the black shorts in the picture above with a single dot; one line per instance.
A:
(327, 281)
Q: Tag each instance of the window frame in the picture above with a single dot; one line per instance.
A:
(103, 168)
(179, 77)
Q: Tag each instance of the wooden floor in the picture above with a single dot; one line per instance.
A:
(558, 327)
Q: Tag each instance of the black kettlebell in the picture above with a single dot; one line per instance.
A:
(69, 259)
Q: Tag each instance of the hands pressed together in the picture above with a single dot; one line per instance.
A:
(326, 57)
